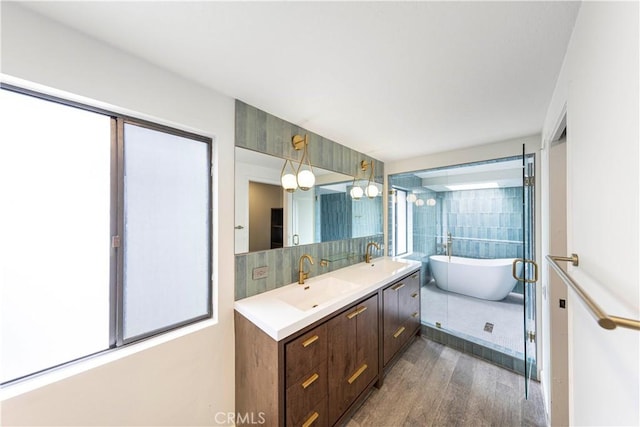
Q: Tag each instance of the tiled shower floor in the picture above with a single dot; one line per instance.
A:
(469, 317)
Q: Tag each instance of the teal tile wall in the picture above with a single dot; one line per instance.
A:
(260, 131)
(367, 216)
(335, 213)
(483, 223)
(282, 263)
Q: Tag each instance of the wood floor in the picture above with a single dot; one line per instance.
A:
(434, 385)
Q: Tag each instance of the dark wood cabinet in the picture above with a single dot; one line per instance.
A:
(306, 378)
(353, 355)
(318, 375)
(401, 315)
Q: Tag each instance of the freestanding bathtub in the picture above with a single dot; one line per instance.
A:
(489, 279)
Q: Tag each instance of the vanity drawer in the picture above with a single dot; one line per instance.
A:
(409, 298)
(316, 417)
(303, 396)
(305, 352)
(413, 304)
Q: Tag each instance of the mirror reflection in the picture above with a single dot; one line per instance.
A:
(268, 217)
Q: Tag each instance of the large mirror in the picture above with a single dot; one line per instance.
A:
(268, 217)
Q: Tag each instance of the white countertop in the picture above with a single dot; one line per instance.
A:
(280, 319)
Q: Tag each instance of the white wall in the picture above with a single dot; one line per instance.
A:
(599, 86)
(554, 377)
(181, 381)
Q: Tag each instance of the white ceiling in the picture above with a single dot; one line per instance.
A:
(391, 79)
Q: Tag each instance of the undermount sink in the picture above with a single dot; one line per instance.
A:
(316, 292)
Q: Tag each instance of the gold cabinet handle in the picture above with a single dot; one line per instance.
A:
(310, 341)
(414, 276)
(414, 295)
(310, 380)
(415, 314)
(311, 419)
(399, 332)
(398, 286)
(355, 313)
(357, 374)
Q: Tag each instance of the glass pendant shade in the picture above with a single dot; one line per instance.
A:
(419, 202)
(372, 191)
(356, 192)
(306, 179)
(288, 178)
(288, 182)
(411, 198)
(431, 202)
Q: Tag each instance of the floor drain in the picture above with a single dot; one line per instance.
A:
(488, 327)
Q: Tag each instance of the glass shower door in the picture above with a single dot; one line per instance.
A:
(529, 270)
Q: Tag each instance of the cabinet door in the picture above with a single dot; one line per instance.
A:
(391, 322)
(367, 331)
(342, 347)
(353, 354)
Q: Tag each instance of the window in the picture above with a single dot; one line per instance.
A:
(106, 231)
(400, 221)
(166, 231)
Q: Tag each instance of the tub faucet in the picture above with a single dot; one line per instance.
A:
(449, 248)
(367, 253)
(301, 273)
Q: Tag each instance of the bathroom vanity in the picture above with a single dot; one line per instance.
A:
(307, 355)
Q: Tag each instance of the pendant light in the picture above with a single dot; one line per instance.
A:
(288, 177)
(371, 190)
(304, 176)
(356, 191)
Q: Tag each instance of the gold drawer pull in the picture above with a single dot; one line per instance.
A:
(398, 286)
(311, 419)
(355, 313)
(310, 380)
(357, 374)
(415, 314)
(414, 295)
(310, 341)
(414, 276)
(399, 332)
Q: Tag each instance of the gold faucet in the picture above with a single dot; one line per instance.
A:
(449, 248)
(301, 273)
(367, 254)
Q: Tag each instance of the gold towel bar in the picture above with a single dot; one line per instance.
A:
(604, 320)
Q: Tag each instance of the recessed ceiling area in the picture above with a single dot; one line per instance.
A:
(394, 80)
